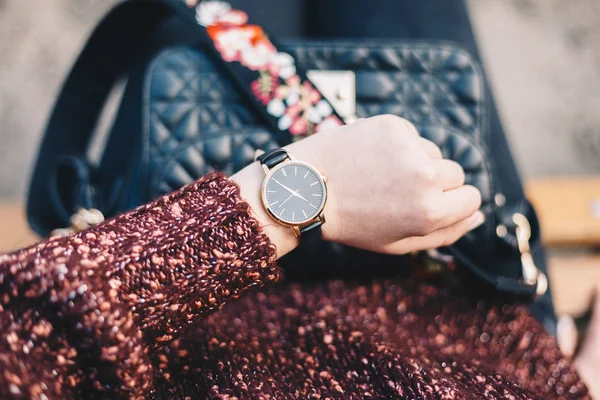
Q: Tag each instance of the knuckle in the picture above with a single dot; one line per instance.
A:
(429, 213)
(476, 197)
(432, 215)
(392, 123)
(455, 165)
(411, 128)
(426, 174)
(460, 168)
(434, 148)
(458, 171)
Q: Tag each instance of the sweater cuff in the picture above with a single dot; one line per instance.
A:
(203, 248)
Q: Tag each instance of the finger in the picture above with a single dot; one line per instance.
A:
(450, 174)
(431, 148)
(440, 238)
(457, 204)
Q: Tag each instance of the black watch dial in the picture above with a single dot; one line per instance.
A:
(294, 192)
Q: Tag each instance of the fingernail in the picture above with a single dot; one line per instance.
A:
(476, 220)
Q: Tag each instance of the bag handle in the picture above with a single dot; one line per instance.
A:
(63, 178)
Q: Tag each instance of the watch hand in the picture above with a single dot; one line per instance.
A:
(290, 190)
(299, 195)
(285, 187)
(285, 201)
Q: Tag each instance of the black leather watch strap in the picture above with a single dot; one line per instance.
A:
(273, 157)
(311, 234)
(312, 229)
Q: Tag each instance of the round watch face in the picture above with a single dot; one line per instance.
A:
(294, 192)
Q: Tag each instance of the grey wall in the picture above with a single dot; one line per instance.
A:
(38, 42)
(543, 57)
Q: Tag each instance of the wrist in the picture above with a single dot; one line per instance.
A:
(250, 180)
(311, 150)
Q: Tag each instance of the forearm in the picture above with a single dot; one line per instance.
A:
(102, 297)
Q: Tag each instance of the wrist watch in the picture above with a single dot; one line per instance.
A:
(294, 193)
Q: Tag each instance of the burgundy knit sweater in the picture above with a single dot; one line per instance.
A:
(158, 303)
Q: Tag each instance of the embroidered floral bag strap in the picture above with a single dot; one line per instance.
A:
(279, 90)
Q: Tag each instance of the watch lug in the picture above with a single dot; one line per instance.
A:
(296, 230)
(322, 218)
(265, 168)
(291, 156)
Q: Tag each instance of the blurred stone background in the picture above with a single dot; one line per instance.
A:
(542, 56)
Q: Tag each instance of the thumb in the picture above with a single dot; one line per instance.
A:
(440, 238)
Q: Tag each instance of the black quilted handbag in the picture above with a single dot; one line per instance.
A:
(184, 113)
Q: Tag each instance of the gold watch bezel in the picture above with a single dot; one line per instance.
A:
(269, 172)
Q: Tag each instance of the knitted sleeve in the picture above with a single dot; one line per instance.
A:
(79, 314)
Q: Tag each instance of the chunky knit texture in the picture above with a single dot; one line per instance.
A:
(141, 306)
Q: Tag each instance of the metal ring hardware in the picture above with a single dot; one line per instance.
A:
(531, 274)
(81, 220)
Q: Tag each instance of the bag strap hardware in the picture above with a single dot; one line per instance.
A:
(500, 199)
(501, 231)
(83, 219)
(531, 274)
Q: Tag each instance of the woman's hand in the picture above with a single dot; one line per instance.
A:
(389, 191)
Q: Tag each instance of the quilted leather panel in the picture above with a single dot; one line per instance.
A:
(227, 151)
(434, 84)
(186, 101)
